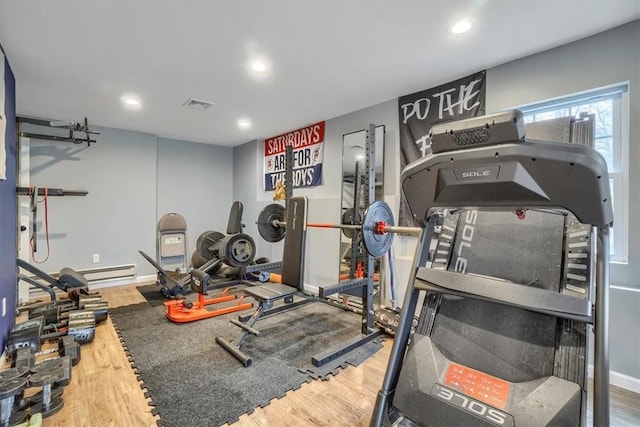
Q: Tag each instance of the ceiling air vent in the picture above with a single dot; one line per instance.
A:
(197, 104)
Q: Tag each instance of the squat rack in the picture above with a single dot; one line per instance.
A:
(359, 287)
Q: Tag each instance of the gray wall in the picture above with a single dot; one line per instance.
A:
(116, 218)
(604, 59)
(195, 180)
(132, 178)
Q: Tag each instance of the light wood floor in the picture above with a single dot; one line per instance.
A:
(105, 392)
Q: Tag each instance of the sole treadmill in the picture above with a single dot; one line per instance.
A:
(509, 350)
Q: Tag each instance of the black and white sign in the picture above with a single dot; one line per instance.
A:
(419, 111)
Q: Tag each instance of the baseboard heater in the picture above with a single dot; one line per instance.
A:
(101, 274)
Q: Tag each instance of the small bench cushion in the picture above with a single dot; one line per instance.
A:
(270, 291)
(72, 278)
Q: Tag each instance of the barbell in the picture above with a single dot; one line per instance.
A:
(377, 226)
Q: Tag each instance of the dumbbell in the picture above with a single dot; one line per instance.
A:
(67, 346)
(20, 403)
(49, 403)
(55, 364)
(80, 326)
(59, 313)
(9, 389)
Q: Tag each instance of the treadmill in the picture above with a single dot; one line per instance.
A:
(504, 330)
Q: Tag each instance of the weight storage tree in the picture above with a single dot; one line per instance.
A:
(490, 351)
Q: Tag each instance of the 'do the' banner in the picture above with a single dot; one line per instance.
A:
(419, 111)
(308, 152)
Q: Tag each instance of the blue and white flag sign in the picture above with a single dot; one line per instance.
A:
(308, 153)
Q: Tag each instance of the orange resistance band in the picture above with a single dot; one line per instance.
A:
(46, 226)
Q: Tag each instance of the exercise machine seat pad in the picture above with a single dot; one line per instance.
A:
(234, 225)
(270, 291)
(72, 278)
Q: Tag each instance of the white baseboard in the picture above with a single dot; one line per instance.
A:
(122, 282)
(621, 380)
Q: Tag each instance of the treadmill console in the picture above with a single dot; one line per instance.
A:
(477, 131)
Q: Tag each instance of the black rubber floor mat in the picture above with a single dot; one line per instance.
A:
(192, 381)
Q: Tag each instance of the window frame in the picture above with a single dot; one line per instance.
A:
(619, 175)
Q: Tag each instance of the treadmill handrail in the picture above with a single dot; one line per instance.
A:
(505, 292)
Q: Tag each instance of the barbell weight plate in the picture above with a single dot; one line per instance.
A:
(198, 261)
(377, 244)
(348, 219)
(268, 231)
(237, 250)
(206, 243)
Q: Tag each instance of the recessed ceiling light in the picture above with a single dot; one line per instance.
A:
(360, 157)
(259, 66)
(244, 123)
(461, 26)
(131, 102)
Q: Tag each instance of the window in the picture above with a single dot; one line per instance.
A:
(610, 107)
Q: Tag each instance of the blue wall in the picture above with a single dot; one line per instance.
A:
(8, 226)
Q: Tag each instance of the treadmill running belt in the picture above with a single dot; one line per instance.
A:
(506, 342)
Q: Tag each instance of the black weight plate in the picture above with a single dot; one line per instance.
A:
(348, 219)
(12, 387)
(377, 244)
(197, 260)
(41, 378)
(49, 364)
(270, 232)
(206, 243)
(54, 406)
(237, 250)
(12, 373)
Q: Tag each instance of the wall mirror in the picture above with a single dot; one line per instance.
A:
(353, 159)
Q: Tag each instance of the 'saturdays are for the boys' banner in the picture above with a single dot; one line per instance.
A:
(308, 152)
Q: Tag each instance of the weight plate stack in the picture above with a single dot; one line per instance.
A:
(237, 250)
(207, 243)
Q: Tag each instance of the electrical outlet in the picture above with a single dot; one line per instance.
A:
(96, 258)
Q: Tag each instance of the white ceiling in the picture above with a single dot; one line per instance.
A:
(76, 58)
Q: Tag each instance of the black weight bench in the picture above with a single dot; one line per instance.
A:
(269, 293)
(68, 279)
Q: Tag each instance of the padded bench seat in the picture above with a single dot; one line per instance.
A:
(72, 278)
(270, 291)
